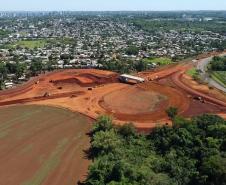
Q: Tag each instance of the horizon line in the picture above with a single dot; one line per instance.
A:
(179, 10)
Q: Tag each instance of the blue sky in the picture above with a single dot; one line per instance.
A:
(112, 5)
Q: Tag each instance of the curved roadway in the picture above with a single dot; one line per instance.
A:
(202, 65)
(176, 79)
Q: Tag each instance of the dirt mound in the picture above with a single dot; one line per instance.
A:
(143, 103)
(133, 100)
(65, 81)
(85, 80)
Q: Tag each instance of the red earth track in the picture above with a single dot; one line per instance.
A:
(101, 83)
(41, 98)
(176, 79)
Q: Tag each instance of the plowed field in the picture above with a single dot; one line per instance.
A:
(41, 145)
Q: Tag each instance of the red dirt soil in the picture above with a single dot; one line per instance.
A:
(95, 92)
(42, 145)
(172, 98)
(132, 100)
(86, 79)
(44, 83)
(140, 103)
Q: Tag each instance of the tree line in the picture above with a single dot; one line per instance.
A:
(190, 152)
(218, 64)
(19, 70)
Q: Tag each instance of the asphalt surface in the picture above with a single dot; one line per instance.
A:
(202, 65)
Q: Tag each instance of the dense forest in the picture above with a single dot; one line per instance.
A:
(191, 152)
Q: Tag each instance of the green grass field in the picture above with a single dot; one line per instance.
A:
(159, 61)
(31, 44)
(192, 72)
(39, 142)
(220, 77)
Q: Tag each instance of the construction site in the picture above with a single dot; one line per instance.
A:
(94, 92)
(45, 122)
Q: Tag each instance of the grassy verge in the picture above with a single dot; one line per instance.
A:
(220, 77)
(192, 72)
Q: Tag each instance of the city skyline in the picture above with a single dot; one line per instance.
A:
(116, 5)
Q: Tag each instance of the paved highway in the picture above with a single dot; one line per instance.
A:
(202, 65)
